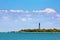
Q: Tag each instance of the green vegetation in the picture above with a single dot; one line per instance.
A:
(41, 30)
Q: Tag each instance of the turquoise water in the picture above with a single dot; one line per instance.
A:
(30, 36)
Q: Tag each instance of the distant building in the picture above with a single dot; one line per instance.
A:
(39, 26)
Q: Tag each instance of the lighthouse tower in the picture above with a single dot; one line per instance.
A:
(39, 26)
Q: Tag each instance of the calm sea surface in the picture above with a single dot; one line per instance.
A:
(30, 36)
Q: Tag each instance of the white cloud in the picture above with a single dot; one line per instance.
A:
(5, 11)
(16, 11)
(47, 10)
(38, 11)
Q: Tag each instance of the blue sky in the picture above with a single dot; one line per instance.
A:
(26, 14)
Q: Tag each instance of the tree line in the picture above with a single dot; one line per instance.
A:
(40, 30)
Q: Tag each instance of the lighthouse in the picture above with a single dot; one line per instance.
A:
(39, 26)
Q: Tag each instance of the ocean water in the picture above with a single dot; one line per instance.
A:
(30, 36)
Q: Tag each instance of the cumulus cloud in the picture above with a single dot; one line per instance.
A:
(47, 10)
(16, 11)
(5, 11)
(38, 11)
